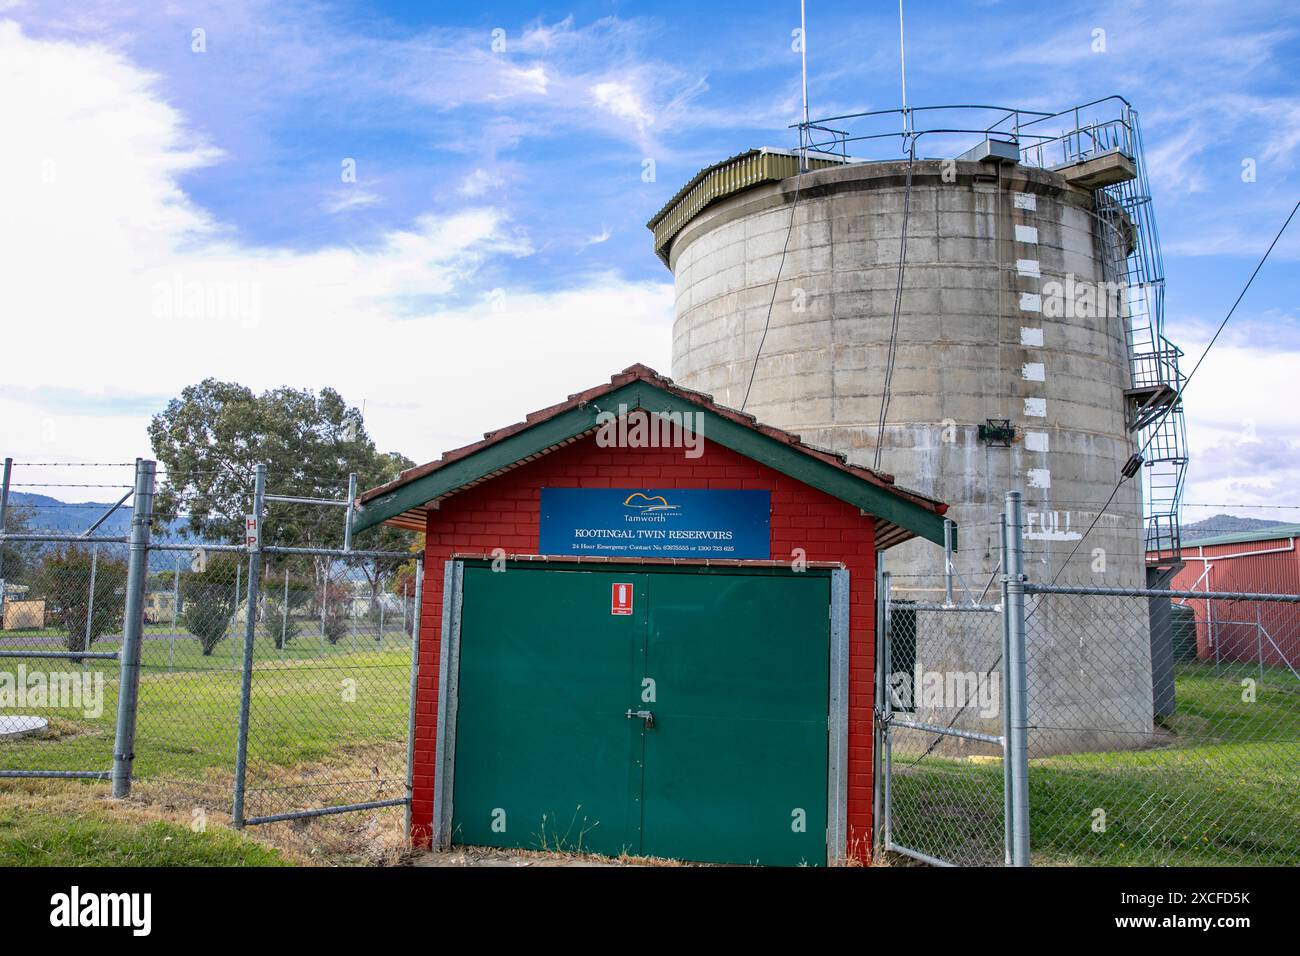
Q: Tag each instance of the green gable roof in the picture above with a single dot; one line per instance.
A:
(403, 502)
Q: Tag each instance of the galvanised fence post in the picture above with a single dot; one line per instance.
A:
(1008, 785)
(878, 723)
(137, 576)
(887, 713)
(250, 630)
(1017, 691)
(415, 672)
(4, 526)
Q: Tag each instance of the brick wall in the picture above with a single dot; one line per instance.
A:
(503, 513)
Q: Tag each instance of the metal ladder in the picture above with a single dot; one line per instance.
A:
(1131, 255)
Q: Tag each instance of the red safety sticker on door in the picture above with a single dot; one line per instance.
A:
(620, 601)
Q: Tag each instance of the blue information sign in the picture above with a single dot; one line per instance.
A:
(656, 522)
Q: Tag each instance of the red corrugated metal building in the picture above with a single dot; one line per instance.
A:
(1262, 561)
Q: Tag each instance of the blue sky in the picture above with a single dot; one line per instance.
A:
(491, 254)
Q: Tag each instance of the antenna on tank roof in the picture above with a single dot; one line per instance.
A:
(803, 58)
(902, 64)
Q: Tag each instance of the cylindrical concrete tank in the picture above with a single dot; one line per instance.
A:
(994, 326)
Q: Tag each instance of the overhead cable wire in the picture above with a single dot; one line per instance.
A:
(1177, 395)
(938, 737)
(798, 185)
(898, 304)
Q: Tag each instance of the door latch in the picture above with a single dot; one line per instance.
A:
(647, 715)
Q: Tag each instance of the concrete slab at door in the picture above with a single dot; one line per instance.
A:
(545, 756)
(736, 762)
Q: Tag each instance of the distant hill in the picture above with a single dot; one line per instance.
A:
(1224, 524)
(50, 514)
(44, 513)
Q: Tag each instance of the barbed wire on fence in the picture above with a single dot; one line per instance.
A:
(327, 673)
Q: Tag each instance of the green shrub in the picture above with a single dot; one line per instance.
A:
(209, 600)
(335, 619)
(64, 582)
(279, 622)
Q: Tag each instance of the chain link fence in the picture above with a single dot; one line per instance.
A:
(1129, 726)
(64, 613)
(330, 687)
(272, 685)
(190, 675)
(944, 748)
(1054, 726)
(1159, 735)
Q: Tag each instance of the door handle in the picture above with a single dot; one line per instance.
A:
(647, 715)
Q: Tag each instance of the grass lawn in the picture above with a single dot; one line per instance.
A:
(58, 635)
(1218, 788)
(59, 824)
(328, 723)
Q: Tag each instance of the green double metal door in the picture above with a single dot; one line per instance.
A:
(674, 714)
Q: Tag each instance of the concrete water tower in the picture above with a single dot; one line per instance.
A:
(1005, 352)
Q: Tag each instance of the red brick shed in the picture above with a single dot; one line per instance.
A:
(725, 677)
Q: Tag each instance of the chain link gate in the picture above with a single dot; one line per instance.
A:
(951, 712)
(331, 731)
(943, 732)
(327, 707)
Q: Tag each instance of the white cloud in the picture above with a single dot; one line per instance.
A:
(624, 102)
(541, 38)
(1240, 411)
(525, 82)
(480, 181)
(602, 236)
(85, 130)
(1174, 164)
(1285, 130)
(118, 286)
(349, 198)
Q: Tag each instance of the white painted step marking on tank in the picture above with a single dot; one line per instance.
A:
(1025, 201)
(1033, 372)
(1028, 267)
(1036, 441)
(1039, 478)
(1031, 302)
(1026, 234)
(1031, 338)
(1036, 407)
